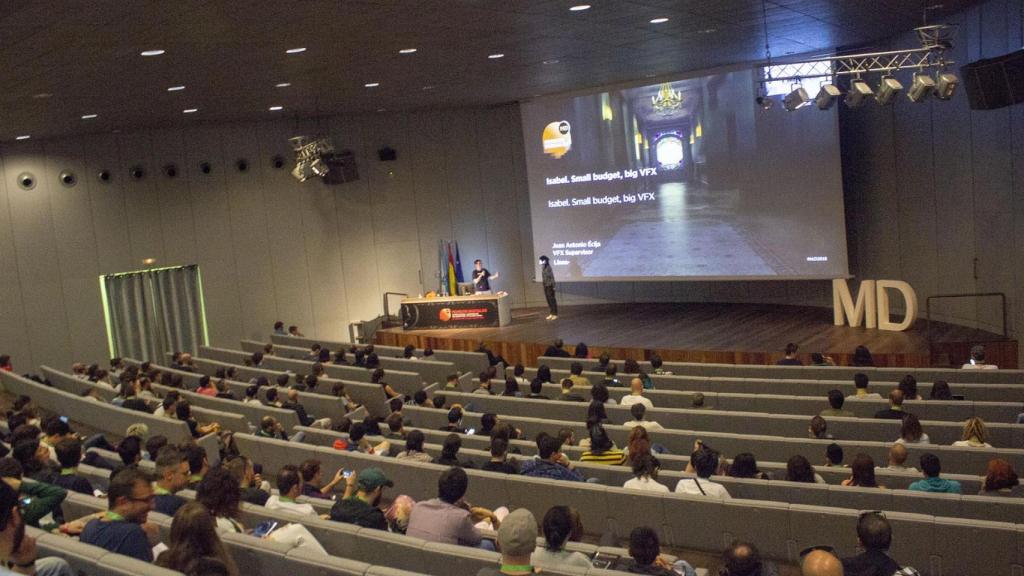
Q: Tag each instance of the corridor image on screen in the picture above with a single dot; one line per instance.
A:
(687, 179)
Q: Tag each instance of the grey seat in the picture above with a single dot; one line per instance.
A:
(822, 525)
(311, 564)
(964, 544)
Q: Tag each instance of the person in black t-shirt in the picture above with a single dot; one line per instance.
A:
(499, 461)
(69, 454)
(482, 278)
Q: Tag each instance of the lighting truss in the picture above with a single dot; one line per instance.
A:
(309, 156)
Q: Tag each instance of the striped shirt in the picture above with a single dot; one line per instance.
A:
(613, 456)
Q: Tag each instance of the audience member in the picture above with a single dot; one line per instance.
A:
(791, 358)
(517, 539)
(193, 546)
(221, 493)
(610, 381)
(898, 459)
(454, 421)
(638, 411)
(511, 388)
(172, 474)
(895, 410)
(312, 480)
(198, 464)
(558, 527)
(69, 454)
(450, 452)
(744, 465)
(744, 559)
(645, 472)
(635, 396)
(289, 487)
(414, 448)
(931, 467)
(698, 401)
(820, 562)
(1001, 480)
(835, 402)
(254, 489)
(602, 449)
(977, 360)
(550, 462)
(798, 469)
(39, 499)
(834, 455)
(704, 463)
(581, 351)
(645, 556)
(818, 429)
(875, 536)
(484, 386)
(862, 357)
(860, 384)
(536, 389)
(519, 373)
(908, 385)
(941, 391)
(567, 394)
(447, 518)
(499, 461)
(123, 528)
(557, 350)
(819, 359)
(911, 432)
(18, 550)
(975, 434)
(360, 504)
(657, 366)
(862, 472)
(576, 375)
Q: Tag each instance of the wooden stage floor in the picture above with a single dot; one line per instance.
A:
(703, 332)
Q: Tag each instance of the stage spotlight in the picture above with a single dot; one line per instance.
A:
(302, 172)
(945, 85)
(888, 88)
(796, 99)
(319, 167)
(922, 87)
(764, 102)
(859, 92)
(826, 97)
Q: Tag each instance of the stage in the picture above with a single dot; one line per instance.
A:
(705, 332)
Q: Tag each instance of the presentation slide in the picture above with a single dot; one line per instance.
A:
(684, 180)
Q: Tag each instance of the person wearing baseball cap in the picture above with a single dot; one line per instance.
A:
(18, 553)
(517, 539)
(360, 505)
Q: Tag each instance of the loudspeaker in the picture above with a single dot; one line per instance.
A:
(995, 82)
(342, 167)
(387, 154)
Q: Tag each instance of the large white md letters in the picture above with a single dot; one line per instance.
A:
(872, 304)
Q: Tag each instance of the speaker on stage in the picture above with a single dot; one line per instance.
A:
(995, 82)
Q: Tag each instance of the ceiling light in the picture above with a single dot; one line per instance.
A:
(579, 8)
(796, 99)
(407, 51)
(922, 87)
(151, 52)
(859, 91)
(551, 61)
(88, 116)
(428, 87)
(381, 109)
(276, 108)
(496, 56)
(175, 88)
(190, 110)
(42, 95)
(282, 84)
(888, 88)
(22, 137)
(827, 95)
(295, 50)
(372, 84)
(659, 20)
(945, 85)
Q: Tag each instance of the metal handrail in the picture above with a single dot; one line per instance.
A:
(387, 313)
(928, 307)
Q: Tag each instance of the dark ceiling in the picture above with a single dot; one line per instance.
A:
(62, 60)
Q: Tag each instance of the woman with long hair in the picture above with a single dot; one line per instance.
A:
(941, 391)
(799, 469)
(512, 387)
(602, 449)
(221, 493)
(638, 445)
(975, 434)
(194, 543)
(1001, 480)
(744, 465)
(558, 527)
(862, 357)
(911, 431)
(862, 472)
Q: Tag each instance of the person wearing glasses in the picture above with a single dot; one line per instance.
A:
(123, 529)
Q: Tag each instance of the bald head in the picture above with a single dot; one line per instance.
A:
(896, 397)
(821, 563)
(898, 454)
(636, 386)
(293, 395)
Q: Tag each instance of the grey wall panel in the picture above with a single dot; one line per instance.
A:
(109, 216)
(76, 249)
(498, 199)
(142, 203)
(38, 265)
(249, 230)
(179, 231)
(13, 323)
(463, 153)
(212, 216)
(286, 258)
(432, 211)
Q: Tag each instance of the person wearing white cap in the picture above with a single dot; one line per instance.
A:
(517, 539)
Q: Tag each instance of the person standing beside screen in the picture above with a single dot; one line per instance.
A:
(482, 278)
(548, 280)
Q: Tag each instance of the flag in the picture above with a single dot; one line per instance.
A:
(442, 269)
(458, 265)
(451, 273)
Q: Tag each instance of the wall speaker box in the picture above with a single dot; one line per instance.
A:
(342, 168)
(387, 154)
(995, 82)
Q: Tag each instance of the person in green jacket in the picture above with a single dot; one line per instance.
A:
(38, 499)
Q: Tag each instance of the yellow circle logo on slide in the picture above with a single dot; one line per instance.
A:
(557, 139)
(445, 315)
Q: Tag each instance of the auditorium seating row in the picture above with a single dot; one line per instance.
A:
(833, 475)
(471, 362)
(950, 410)
(769, 448)
(769, 436)
(935, 544)
(429, 370)
(848, 429)
(950, 375)
(352, 550)
(92, 560)
(1013, 393)
(100, 416)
